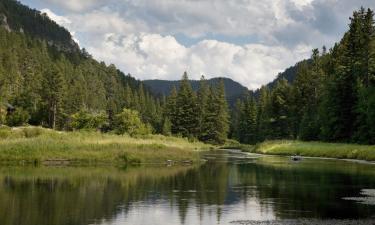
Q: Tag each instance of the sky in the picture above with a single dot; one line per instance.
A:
(250, 41)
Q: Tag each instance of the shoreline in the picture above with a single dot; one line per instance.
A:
(39, 146)
(339, 151)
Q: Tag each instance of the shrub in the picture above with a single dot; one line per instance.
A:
(18, 118)
(86, 120)
(129, 121)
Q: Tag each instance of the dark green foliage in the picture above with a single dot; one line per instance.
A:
(215, 125)
(37, 25)
(43, 72)
(17, 118)
(248, 122)
(187, 114)
(330, 97)
(202, 114)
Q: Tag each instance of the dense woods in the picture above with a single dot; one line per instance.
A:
(46, 80)
(332, 97)
(202, 114)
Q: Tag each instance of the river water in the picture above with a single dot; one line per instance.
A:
(229, 187)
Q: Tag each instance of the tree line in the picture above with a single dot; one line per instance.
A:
(202, 115)
(331, 99)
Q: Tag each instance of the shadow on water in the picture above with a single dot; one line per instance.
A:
(230, 186)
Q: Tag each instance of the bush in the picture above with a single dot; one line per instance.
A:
(87, 120)
(18, 118)
(129, 121)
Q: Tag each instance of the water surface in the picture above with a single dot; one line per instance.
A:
(229, 187)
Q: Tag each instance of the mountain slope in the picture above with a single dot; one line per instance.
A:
(18, 17)
(233, 89)
(47, 78)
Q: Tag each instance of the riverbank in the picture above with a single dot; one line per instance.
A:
(43, 146)
(317, 149)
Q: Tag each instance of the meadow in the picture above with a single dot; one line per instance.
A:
(317, 149)
(37, 145)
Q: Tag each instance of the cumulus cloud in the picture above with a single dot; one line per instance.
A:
(152, 56)
(146, 38)
(62, 21)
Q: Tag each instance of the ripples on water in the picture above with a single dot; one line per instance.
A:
(231, 188)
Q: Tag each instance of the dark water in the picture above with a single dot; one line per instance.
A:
(227, 188)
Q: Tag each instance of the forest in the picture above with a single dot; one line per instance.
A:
(331, 99)
(46, 80)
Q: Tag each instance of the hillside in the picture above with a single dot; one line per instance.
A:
(17, 17)
(233, 89)
(46, 78)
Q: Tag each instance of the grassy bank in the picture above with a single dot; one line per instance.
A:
(233, 144)
(317, 149)
(38, 145)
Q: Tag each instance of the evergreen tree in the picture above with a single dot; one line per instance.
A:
(54, 88)
(280, 111)
(248, 124)
(222, 118)
(187, 120)
(203, 94)
(263, 116)
(170, 111)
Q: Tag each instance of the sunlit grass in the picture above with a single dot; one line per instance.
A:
(317, 149)
(39, 145)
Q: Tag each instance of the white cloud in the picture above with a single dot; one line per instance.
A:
(152, 56)
(138, 36)
(74, 5)
(62, 21)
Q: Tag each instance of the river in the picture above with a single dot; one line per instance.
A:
(230, 188)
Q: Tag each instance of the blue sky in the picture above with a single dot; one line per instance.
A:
(250, 41)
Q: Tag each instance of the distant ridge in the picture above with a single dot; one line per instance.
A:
(233, 89)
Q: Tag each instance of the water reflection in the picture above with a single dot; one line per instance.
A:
(229, 187)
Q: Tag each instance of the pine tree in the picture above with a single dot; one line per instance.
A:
(170, 110)
(280, 111)
(263, 117)
(216, 123)
(202, 94)
(235, 132)
(222, 119)
(187, 120)
(248, 125)
(53, 87)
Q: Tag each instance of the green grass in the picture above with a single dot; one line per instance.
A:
(317, 149)
(38, 145)
(233, 144)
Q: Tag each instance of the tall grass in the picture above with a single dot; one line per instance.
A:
(317, 149)
(41, 145)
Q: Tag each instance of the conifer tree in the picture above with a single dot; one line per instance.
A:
(248, 125)
(187, 120)
(203, 94)
(54, 88)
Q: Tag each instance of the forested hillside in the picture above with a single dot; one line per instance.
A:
(45, 78)
(16, 17)
(332, 97)
(233, 89)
